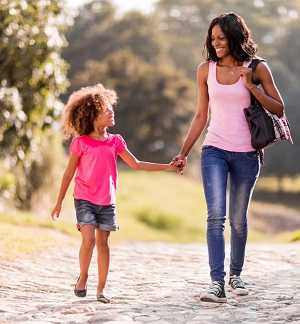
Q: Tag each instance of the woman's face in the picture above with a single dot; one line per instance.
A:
(219, 42)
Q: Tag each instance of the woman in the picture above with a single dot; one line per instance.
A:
(224, 84)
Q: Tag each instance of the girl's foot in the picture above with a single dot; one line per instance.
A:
(79, 292)
(102, 299)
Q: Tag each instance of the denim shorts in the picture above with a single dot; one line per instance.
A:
(103, 217)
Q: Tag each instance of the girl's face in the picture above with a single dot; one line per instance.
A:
(219, 42)
(106, 118)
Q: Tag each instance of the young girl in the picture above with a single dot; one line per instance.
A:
(93, 153)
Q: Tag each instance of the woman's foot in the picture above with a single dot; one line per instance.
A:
(80, 288)
(237, 286)
(215, 293)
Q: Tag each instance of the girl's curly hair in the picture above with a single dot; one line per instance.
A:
(83, 107)
(241, 44)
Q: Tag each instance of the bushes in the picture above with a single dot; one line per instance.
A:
(158, 219)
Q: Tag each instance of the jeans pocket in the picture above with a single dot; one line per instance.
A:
(252, 155)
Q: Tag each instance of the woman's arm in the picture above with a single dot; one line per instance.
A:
(269, 97)
(200, 118)
(67, 177)
(135, 164)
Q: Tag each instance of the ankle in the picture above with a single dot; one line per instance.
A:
(83, 276)
(100, 289)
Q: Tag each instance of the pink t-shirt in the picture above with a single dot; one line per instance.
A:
(96, 177)
(228, 128)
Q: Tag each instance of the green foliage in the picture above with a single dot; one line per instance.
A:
(32, 78)
(98, 32)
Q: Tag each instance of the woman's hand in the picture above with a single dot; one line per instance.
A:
(180, 162)
(246, 74)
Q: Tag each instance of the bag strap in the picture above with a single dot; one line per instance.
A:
(253, 64)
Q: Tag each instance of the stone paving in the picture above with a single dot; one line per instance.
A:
(150, 283)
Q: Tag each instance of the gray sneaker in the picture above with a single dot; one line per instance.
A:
(237, 286)
(215, 293)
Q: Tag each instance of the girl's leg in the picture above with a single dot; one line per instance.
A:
(103, 258)
(85, 253)
(244, 171)
(214, 176)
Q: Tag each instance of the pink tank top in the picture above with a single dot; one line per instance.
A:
(228, 128)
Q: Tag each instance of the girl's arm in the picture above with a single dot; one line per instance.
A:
(200, 118)
(135, 164)
(269, 97)
(67, 177)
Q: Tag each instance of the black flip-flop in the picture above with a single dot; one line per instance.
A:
(79, 292)
(102, 299)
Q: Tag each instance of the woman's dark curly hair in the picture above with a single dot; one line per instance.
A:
(241, 45)
(84, 106)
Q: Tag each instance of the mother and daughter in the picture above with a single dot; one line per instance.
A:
(224, 84)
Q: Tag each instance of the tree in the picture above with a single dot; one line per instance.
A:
(98, 32)
(32, 79)
(155, 101)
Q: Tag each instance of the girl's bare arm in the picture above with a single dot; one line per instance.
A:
(67, 177)
(135, 164)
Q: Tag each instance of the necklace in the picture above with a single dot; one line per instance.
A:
(232, 72)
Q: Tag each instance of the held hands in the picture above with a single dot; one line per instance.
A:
(55, 212)
(179, 161)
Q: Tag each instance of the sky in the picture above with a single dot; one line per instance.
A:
(124, 5)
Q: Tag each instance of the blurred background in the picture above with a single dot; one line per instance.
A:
(148, 52)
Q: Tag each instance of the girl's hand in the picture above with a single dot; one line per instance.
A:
(56, 211)
(172, 167)
(246, 74)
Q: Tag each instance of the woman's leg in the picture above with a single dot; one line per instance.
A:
(103, 258)
(214, 175)
(244, 170)
(85, 253)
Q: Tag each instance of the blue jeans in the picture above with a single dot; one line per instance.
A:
(242, 169)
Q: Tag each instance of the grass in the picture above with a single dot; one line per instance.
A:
(16, 240)
(160, 206)
(27, 219)
(24, 233)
